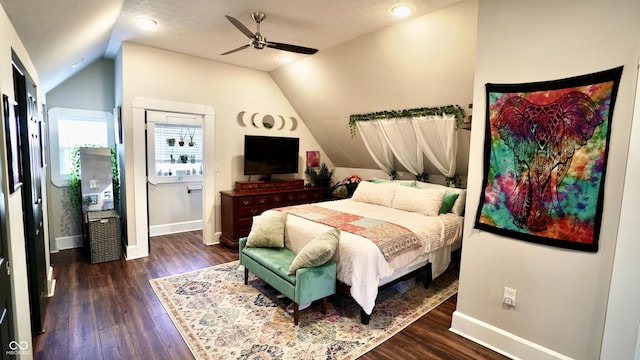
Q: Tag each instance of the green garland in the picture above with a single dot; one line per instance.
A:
(455, 110)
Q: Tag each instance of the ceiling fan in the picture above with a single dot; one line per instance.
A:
(257, 41)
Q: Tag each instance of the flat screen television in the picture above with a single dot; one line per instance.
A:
(267, 155)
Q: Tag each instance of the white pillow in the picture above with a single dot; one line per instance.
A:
(377, 194)
(458, 206)
(424, 201)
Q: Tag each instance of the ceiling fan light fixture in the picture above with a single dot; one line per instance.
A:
(402, 10)
(146, 22)
(285, 59)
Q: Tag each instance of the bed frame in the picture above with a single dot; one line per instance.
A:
(423, 272)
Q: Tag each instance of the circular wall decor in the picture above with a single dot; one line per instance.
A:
(253, 120)
(268, 122)
(240, 118)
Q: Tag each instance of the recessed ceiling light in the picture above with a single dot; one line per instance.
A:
(146, 22)
(285, 59)
(402, 10)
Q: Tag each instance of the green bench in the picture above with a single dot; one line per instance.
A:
(305, 286)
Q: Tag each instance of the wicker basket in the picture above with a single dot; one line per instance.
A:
(104, 236)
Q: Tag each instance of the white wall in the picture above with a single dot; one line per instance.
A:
(89, 89)
(562, 294)
(622, 328)
(421, 62)
(13, 202)
(158, 74)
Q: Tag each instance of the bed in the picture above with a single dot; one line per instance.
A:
(388, 230)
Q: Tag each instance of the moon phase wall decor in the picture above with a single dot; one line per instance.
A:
(267, 121)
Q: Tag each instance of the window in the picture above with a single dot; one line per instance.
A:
(174, 152)
(75, 127)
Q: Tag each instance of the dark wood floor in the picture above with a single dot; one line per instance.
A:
(109, 311)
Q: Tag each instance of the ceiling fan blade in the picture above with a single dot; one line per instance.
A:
(234, 50)
(241, 27)
(292, 48)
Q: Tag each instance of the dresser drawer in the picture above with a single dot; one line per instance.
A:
(261, 200)
(290, 197)
(277, 200)
(242, 232)
(245, 223)
(245, 201)
(249, 211)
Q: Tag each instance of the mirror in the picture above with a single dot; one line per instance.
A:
(96, 178)
(268, 121)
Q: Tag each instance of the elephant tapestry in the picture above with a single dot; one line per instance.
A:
(545, 158)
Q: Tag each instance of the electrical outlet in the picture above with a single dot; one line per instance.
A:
(509, 297)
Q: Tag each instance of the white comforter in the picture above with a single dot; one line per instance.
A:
(360, 263)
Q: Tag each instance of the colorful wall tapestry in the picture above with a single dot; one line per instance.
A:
(545, 157)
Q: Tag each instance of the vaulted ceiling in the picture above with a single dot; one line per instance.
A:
(64, 36)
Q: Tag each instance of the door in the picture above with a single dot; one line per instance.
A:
(27, 112)
(174, 172)
(6, 315)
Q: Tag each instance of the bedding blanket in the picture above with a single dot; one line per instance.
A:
(360, 263)
(390, 238)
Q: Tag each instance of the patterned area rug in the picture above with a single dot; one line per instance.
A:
(221, 318)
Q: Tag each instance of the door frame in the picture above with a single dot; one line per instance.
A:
(136, 187)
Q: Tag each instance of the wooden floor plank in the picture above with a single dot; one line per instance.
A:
(109, 311)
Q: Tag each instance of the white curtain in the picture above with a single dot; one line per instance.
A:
(437, 138)
(410, 140)
(401, 138)
(377, 145)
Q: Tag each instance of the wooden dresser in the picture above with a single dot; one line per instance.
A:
(251, 198)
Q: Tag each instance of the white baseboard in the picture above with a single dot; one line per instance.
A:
(131, 252)
(51, 282)
(165, 229)
(500, 341)
(215, 240)
(69, 242)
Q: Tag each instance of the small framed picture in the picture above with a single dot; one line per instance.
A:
(313, 159)
(117, 123)
(12, 130)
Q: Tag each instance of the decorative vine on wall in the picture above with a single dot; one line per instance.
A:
(455, 110)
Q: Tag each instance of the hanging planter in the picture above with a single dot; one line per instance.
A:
(191, 135)
(181, 142)
(171, 141)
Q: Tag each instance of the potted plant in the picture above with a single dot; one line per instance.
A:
(184, 158)
(171, 141)
(181, 142)
(191, 135)
(323, 178)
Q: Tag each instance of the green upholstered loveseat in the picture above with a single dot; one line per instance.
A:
(272, 265)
